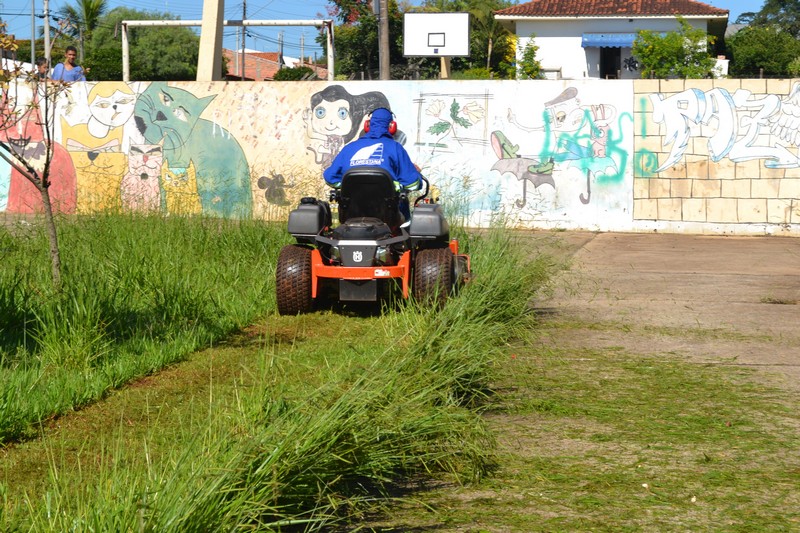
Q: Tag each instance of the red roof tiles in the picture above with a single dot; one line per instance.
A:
(611, 8)
(261, 65)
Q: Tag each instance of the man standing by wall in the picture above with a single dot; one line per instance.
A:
(68, 70)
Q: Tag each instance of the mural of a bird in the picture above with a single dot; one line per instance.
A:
(785, 123)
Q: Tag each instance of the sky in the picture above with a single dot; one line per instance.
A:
(17, 15)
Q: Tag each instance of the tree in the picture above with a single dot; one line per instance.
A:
(357, 38)
(357, 47)
(675, 54)
(745, 18)
(294, 74)
(758, 51)
(489, 40)
(486, 33)
(156, 54)
(529, 67)
(785, 14)
(83, 17)
(27, 112)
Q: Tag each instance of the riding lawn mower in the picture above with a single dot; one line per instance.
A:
(372, 251)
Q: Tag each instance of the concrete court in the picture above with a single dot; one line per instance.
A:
(719, 299)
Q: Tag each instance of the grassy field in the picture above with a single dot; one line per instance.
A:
(139, 293)
(603, 440)
(475, 418)
(293, 422)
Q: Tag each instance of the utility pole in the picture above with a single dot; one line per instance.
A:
(381, 9)
(33, 32)
(47, 31)
(244, 34)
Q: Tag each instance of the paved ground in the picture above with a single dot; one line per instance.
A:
(720, 299)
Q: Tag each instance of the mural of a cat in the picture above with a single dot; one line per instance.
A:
(21, 196)
(140, 188)
(171, 116)
(180, 191)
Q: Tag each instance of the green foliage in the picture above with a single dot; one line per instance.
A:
(156, 54)
(24, 49)
(83, 17)
(677, 54)
(529, 67)
(762, 50)
(794, 67)
(443, 126)
(784, 14)
(294, 74)
(357, 39)
(138, 292)
(490, 43)
(357, 48)
(478, 73)
(325, 411)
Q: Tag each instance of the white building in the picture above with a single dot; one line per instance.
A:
(581, 39)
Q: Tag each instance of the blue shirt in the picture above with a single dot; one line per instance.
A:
(62, 74)
(382, 152)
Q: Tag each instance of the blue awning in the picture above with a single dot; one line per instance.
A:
(608, 40)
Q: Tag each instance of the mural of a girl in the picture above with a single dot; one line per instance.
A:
(335, 118)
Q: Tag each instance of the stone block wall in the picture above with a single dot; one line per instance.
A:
(719, 152)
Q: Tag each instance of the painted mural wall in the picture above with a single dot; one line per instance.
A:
(700, 156)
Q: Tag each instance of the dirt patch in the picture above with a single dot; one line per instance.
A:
(707, 299)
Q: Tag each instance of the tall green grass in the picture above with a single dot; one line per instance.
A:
(329, 423)
(138, 293)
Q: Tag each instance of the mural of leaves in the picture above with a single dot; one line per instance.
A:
(455, 108)
(472, 110)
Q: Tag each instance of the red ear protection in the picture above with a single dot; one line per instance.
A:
(392, 127)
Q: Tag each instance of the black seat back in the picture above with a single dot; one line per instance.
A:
(369, 192)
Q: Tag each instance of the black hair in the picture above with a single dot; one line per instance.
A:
(361, 105)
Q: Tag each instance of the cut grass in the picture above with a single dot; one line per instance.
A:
(139, 293)
(606, 440)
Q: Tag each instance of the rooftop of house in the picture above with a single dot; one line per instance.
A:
(611, 8)
(260, 66)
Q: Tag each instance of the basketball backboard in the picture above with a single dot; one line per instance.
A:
(436, 34)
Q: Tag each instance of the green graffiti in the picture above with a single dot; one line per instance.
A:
(643, 122)
(591, 147)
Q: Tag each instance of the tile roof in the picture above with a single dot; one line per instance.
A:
(257, 66)
(261, 65)
(611, 8)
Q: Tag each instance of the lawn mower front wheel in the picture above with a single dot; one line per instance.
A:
(293, 280)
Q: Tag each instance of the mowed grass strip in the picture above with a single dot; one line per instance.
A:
(139, 293)
(299, 421)
(609, 440)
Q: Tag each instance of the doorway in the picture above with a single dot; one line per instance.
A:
(610, 63)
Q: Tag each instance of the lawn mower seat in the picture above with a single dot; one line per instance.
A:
(369, 192)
